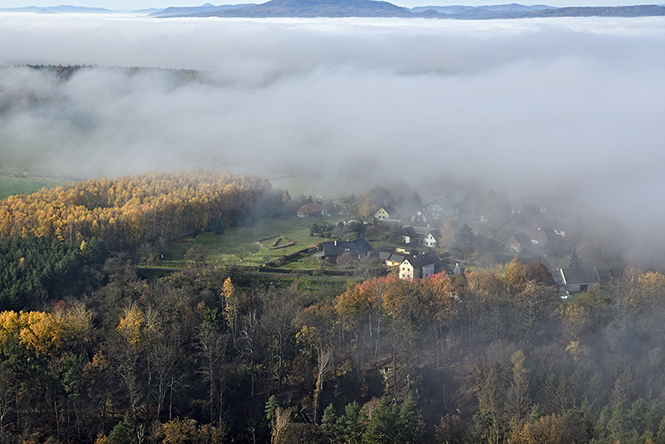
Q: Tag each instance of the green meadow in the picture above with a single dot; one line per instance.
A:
(267, 240)
(10, 185)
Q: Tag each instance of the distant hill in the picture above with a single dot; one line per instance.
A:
(512, 10)
(455, 9)
(367, 8)
(196, 10)
(315, 8)
(62, 9)
(600, 11)
(371, 8)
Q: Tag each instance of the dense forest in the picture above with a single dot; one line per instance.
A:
(129, 210)
(92, 352)
(213, 355)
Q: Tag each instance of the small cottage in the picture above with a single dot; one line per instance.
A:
(579, 279)
(358, 249)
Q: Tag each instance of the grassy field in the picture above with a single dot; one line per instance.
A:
(293, 232)
(10, 185)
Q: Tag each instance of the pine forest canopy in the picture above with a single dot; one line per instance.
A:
(129, 210)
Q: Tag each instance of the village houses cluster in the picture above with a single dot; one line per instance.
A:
(420, 237)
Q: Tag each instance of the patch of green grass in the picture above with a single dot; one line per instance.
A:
(225, 248)
(572, 299)
(10, 185)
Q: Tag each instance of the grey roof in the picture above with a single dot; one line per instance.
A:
(384, 255)
(388, 208)
(422, 260)
(388, 256)
(425, 231)
(336, 248)
(397, 257)
(580, 275)
(421, 231)
(449, 268)
(523, 239)
(409, 231)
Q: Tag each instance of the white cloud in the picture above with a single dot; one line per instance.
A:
(542, 107)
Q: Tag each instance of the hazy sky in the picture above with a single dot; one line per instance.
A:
(570, 109)
(142, 4)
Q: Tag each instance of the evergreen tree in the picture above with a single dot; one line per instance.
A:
(383, 427)
(410, 424)
(660, 435)
(573, 260)
(354, 423)
(123, 432)
(464, 240)
(394, 425)
(329, 424)
(619, 426)
(219, 226)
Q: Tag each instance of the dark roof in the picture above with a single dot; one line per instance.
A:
(421, 231)
(448, 268)
(337, 248)
(424, 214)
(423, 259)
(388, 208)
(388, 256)
(397, 257)
(580, 275)
(424, 231)
(409, 231)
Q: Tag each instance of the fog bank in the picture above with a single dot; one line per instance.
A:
(569, 108)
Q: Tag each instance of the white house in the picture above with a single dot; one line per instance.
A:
(418, 266)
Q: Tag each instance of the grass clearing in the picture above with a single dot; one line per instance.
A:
(10, 185)
(229, 247)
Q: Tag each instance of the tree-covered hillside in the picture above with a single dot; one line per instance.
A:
(129, 210)
(214, 355)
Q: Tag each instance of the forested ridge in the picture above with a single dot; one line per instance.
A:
(129, 210)
(213, 355)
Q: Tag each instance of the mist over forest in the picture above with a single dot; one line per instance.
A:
(195, 304)
(564, 111)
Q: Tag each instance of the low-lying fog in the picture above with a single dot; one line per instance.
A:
(572, 108)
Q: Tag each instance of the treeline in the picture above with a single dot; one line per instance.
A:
(126, 211)
(64, 73)
(36, 269)
(212, 355)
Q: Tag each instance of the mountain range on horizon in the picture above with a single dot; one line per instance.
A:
(364, 8)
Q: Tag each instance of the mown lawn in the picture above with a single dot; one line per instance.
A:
(10, 185)
(228, 247)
